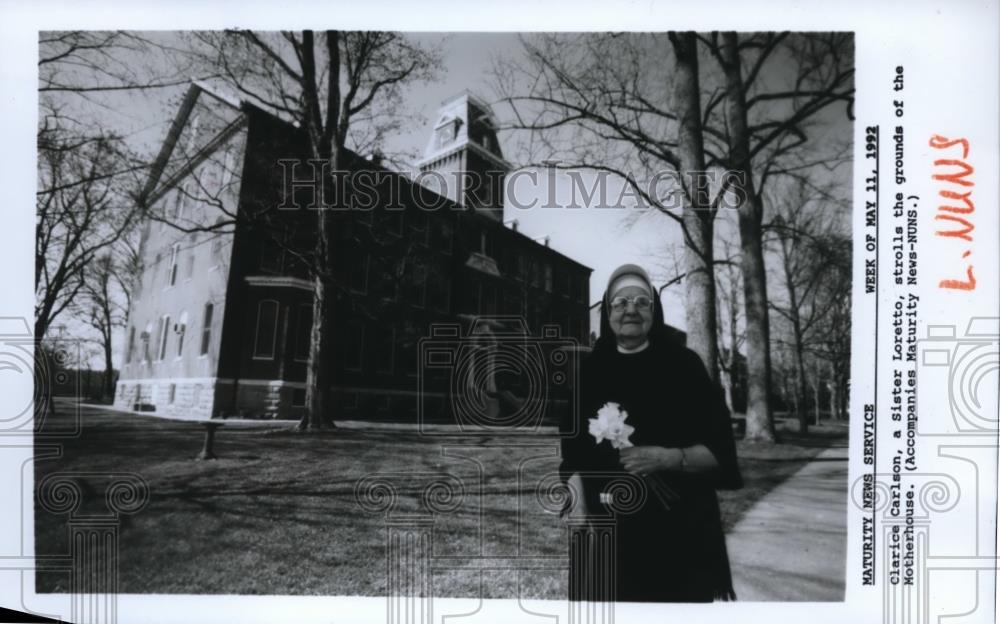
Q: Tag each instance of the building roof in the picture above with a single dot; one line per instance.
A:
(242, 110)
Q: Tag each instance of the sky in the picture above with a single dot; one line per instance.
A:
(600, 238)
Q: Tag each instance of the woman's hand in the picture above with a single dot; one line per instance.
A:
(578, 506)
(643, 460)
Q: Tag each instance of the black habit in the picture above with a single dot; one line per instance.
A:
(669, 549)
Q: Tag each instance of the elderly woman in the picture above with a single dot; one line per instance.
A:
(670, 546)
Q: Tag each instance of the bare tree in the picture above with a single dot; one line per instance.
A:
(626, 105)
(831, 340)
(87, 178)
(731, 337)
(83, 208)
(807, 235)
(105, 299)
(759, 126)
(342, 88)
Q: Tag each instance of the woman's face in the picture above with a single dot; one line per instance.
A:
(631, 323)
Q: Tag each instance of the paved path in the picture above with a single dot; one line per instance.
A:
(791, 545)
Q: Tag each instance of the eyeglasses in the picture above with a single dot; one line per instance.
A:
(641, 302)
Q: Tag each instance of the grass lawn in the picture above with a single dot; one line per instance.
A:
(277, 512)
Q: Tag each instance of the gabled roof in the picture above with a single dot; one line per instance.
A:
(174, 161)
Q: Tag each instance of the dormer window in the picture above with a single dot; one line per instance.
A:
(447, 131)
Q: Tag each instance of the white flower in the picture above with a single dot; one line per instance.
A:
(610, 425)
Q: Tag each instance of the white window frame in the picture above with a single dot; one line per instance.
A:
(175, 251)
(181, 332)
(161, 348)
(206, 328)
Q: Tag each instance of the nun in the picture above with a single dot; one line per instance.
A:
(668, 546)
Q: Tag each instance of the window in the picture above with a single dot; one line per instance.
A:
(388, 278)
(144, 337)
(206, 328)
(416, 285)
(448, 132)
(409, 350)
(270, 256)
(267, 329)
(130, 345)
(386, 350)
(443, 234)
(172, 271)
(562, 283)
(173, 393)
(420, 227)
(439, 291)
(303, 332)
(394, 221)
(164, 332)
(354, 348)
(217, 241)
(548, 277)
(181, 330)
(180, 204)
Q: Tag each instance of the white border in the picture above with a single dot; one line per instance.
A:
(951, 43)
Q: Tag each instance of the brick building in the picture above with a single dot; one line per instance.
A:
(221, 310)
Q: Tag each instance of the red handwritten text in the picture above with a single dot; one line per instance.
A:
(955, 216)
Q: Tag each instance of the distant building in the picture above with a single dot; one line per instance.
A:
(221, 312)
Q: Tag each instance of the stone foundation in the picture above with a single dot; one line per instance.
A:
(204, 399)
(194, 400)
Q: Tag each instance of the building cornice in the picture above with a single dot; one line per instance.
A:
(458, 148)
(279, 281)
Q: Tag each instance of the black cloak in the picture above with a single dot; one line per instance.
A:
(669, 549)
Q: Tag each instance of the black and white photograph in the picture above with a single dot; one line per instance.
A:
(343, 321)
(572, 310)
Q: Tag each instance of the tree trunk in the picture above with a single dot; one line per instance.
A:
(727, 386)
(697, 214)
(831, 388)
(325, 141)
(109, 385)
(319, 373)
(816, 390)
(760, 421)
(800, 377)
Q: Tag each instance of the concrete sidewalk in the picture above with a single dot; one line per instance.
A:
(791, 545)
